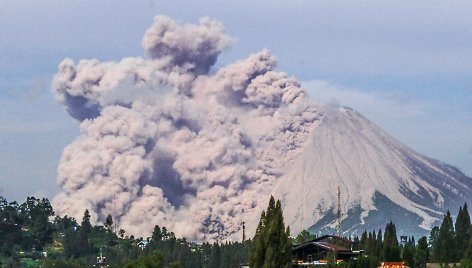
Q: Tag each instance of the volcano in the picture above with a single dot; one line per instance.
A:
(169, 139)
(379, 178)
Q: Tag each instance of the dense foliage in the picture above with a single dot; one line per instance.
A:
(32, 236)
(449, 243)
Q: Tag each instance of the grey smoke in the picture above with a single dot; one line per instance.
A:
(165, 142)
(192, 47)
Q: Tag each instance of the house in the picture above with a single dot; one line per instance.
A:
(322, 249)
(142, 244)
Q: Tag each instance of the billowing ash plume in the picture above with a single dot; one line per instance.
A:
(165, 142)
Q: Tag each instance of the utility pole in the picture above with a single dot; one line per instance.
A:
(114, 212)
(338, 214)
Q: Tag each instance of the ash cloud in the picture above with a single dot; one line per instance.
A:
(164, 141)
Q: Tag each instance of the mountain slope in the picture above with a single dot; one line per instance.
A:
(380, 179)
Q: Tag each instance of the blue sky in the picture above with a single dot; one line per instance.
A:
(405, 65)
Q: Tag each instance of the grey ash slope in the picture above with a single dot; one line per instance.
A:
(380, 179)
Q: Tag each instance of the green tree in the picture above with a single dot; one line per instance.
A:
(85, 224)
(303, 236)
(363, 241)
(271, 244)
(146, 261)
(462, 228)
(165, 234)
(215, 256)
(444, 248)
(466, 263)
(122, 233)
(378, 244)
(408, 252)
(422, 253)
(468, 251)
(432, 242)
(35, 213)
(109, 222)
(156, 234)
(390, 247)
(70, 243)
(10, 226)
(83, 234)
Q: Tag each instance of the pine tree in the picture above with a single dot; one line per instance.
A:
(84, 232)
(433, 244)
(444, 247)
(271, 243)
(390, 247)
(422, 253)
(409, 252)
(378, 244)
(215, 256)
(85, 224)
(156, 233)
(363, 242)
(468, 250)
(165, 235)
(463, 235)
(108, 222)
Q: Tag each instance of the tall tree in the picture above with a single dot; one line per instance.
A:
(109, 222)
(271, 244)
(468, 251)
(378, 244)
(84, 232)
(35, 213)
(215, 256)
(432, 243)
(408, 252)
(422, 253)
(390, 247)
(363, 242)
(10, 226)
(463, 235)
(444, 248)
(156, 234)
(85, 224)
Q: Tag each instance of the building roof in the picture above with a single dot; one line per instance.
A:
(322, 243)
(323, 237)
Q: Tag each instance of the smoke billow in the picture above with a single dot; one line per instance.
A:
(165, 142)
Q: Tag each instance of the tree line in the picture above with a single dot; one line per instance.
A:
(32, 235)
(448, 243)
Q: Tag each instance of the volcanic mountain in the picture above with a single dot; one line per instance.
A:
(380, 179)
(170, 139)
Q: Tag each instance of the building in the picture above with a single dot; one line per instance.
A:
(142, 244)
(324, 248)
(393, 265)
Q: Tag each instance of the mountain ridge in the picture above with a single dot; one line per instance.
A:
(376, 173)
